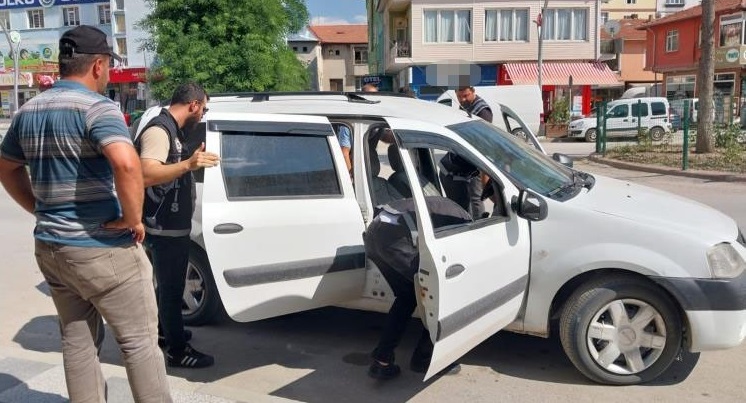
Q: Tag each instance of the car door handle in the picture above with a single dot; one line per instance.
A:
(229, 228)
(454, 270)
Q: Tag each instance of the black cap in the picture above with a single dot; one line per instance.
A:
(85, 39)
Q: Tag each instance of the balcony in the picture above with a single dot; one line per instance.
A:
(399, 57)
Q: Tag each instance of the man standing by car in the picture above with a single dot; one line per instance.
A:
(461, 180)
(77, 149)
(169, 204)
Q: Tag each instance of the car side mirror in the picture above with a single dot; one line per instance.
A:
(530, 206)
(562, 159)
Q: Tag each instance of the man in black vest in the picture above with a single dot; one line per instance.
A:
(461, 180)
(169, 204)
(391, 243)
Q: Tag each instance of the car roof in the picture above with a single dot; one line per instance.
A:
(340, 105)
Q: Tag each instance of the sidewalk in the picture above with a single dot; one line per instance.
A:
(34, 377)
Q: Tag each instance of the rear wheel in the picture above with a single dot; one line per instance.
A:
(656, 133)
(201, 303)
(620, 330)
(590, 135)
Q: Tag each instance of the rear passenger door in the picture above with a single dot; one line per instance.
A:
(281, 226)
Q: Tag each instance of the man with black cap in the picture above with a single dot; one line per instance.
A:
(77, 149)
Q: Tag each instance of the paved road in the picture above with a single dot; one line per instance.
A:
(321, 356)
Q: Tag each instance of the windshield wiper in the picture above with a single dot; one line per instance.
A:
(576, 181)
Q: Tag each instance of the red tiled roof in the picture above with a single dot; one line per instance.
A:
(559, 74)
(720, 5)
(628, 30)
(341, 33)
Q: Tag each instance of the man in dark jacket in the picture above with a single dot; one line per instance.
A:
(390, 242)
(169, 203)
(461, 180)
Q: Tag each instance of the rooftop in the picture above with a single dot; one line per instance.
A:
(357, 33)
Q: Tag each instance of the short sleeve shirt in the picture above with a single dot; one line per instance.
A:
(60, 134)
(344, 137)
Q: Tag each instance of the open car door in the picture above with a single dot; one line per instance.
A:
(472, 278)
(281, 226)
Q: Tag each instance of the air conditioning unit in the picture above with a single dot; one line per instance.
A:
(401, 22)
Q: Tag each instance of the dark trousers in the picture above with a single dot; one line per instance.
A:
(170, 256)
(467, 193)
(391, 249)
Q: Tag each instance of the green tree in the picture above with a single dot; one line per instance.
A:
(225, 45)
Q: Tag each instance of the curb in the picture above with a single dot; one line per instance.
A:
(707, 175)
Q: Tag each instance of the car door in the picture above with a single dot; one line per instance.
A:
(281, 226)
(618, 121)
(472, 279)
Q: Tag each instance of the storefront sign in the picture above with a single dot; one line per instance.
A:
(730, 56)
(8, 4)
(128, 75)
(23, 79)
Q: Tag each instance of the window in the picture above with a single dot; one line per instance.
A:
(120, 4)
(70, 16)
(336, 52)
(5, 18)
(506, 25)
(639, 109)
(631, 1)
(604, 17)
(674, 2)
(104, 14)
(35, 18)
(619, 111)
(277, 165)
(295, 48)
(444, 26)
(658, 109)
(358, 83)
(731, 30)
(122, 46)
(672, 40)
(121, 26)
(678, 87)
(361, 55)
(305, 49)
(565, 24)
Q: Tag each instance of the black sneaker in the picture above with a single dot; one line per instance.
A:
(189, 358)
(383, 372)
(162, 339)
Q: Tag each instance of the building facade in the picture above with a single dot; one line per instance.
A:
(306, 47)
(343, 61)
(668, 7)
(40, 24)
(627, 9)
(627, 48)
(673, 50)
(421, 43)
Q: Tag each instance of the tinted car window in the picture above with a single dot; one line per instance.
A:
(277, 165)
(640, 109)
(658, 108)
(619, 111)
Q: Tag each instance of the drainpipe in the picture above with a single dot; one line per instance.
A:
(595, 39)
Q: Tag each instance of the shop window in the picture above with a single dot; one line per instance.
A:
(104, 14)
(680, 87)
(35, 18)
(70, 16)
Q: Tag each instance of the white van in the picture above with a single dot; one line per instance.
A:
(525, 100)
(654, 114)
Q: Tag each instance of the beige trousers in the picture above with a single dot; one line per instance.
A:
(114, 283)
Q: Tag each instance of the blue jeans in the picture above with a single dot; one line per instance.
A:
(170, 256)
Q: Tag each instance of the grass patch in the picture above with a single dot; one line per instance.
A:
(730, 159)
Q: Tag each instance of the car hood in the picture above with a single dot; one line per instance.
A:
(658, 209)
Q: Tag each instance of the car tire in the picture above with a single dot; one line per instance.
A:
(201, 304)
(601, 331)
(590, 135)
(656, 133)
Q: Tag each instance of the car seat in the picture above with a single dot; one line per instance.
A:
(382, 192)
(398, 180)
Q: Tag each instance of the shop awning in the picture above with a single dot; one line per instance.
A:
(559, 73)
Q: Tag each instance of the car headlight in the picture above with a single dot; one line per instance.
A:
(725, 261)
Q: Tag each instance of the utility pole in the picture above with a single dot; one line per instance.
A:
(539, 21)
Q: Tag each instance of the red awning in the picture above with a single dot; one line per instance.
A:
(119, 75)
(559, 74)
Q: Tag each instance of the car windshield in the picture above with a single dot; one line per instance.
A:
(524, 165)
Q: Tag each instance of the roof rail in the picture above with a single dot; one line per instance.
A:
(359, 97)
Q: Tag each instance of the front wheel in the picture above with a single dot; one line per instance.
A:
(620, 330)
(590, 135)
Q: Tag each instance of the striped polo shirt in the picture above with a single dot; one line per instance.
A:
(60, 135)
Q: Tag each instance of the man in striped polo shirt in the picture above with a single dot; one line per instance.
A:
(77, 149)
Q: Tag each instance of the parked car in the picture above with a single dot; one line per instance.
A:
(622, 116)
(632, 275)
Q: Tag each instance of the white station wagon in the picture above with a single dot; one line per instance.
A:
(631, 274)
